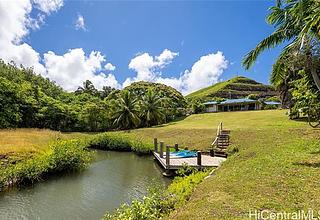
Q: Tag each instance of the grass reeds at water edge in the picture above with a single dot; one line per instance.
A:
(66, 155)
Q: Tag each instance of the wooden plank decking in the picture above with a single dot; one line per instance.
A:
(202, 160)
(176, 163)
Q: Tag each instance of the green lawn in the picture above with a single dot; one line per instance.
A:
(198, 131)
(277, 167)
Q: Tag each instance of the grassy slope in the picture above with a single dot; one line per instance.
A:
(277, 167)
(238, 86)
(17, 144)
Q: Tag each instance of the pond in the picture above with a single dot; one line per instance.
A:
(114, 178)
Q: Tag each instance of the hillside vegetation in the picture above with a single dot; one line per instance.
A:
(140, 88)
(30, 101)
(238, 87)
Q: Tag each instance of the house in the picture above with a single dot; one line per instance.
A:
(232, 105)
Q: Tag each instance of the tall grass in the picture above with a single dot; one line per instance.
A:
(67, 155)
(119, 142)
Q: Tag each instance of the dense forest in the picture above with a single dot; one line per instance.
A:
(29, 100)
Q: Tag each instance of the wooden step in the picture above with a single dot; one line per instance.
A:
(223, 143)
(220, 154)
(222, 147)
(223, 136)
(223, 139)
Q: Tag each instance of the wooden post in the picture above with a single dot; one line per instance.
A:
(168, 156)
(155, 143)
(211, 153)
(176, 147)
(161, 149)
(199, 158)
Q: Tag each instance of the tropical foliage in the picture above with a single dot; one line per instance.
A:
(297, 23)
(152, 110)
(29, 100)
(126, 111)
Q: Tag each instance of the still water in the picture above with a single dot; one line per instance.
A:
(114, 178)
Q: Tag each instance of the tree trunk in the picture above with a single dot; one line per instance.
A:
(312, 70)
(315, 77)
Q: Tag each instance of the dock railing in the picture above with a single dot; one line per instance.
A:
(215, 141)
(167, 149)
(220, 142)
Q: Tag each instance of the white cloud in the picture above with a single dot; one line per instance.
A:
(14, 23)
(148, 67)
(48, 6)
(109, 67)
(165, 58)
(14, 17)
(205, 72)
(74, 67)
(80, 25)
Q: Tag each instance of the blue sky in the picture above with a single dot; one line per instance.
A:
(121, 30)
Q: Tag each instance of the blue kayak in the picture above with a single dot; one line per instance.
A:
(183, 154)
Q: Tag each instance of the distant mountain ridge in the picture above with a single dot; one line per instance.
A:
(237, 87)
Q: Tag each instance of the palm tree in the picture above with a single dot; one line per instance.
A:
(296, 22)
(87, 87)
(152, 108)
(125, 111)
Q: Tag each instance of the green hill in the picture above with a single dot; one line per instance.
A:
(162, 90)
(237, 87)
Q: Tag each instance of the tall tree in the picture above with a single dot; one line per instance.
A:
(106, 90)
(152, 109)
(88, 88)
(296, 22)
(126, 111)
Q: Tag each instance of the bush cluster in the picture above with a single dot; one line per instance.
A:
(68, 155)
(119, 142)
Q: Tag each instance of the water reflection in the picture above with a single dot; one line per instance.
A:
(114, 178)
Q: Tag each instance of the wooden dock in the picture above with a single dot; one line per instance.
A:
(176, 163)
(211, 158)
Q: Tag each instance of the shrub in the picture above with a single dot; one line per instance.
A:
(182, 187)
(119, 142)
(69, 155)
(186, 170)
(62, 156)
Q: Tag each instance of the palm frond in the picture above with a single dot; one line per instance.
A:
(271, 41)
